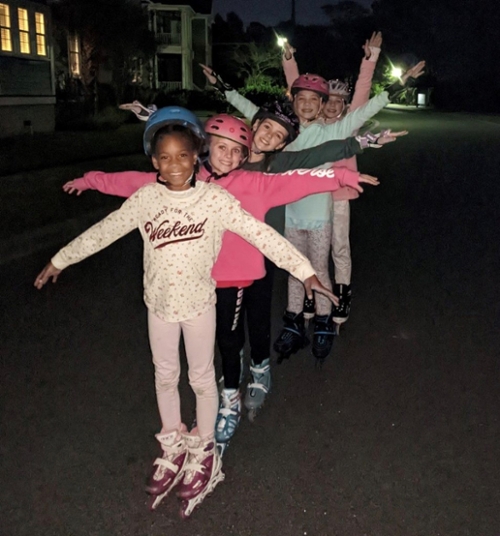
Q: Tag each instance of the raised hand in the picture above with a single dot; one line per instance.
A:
(209, 73)
(71, 188)
(313, 283)
(414, 72)
(375, 41)
(288, 50)
(50, 271)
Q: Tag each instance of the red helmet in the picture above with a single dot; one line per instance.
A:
(311, 82)
(230, 127)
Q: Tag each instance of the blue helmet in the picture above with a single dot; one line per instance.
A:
(171, 115)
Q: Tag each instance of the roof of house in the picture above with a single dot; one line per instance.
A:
(199, 6)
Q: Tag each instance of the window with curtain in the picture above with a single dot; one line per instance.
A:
(74, 55)
(24, 31)
(41, 48)
(5, 32)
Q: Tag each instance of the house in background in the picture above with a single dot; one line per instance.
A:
(184, 39)
(27, 86)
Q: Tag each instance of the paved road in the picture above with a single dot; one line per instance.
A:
(398, 434)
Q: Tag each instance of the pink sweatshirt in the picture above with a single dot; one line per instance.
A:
(239, 263)
(361, 96)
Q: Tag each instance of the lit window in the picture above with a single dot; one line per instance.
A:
(24, 30)
(74, 55)
(5, 37)
(41, 49)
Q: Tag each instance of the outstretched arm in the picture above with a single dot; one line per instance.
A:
(363, 85)
(242, 104)
(290, 67)
(271, 244)
(330, 151)
(282, 188)
(99, 236)
(122, 184)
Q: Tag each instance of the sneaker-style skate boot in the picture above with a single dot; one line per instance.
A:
(169, 469)
(342, 310)
(228, 418)
(202, 473)
(308, 309)
(293, 336)
(258, 388)
(324, 331)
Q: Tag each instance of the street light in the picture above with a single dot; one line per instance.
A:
(281, 41)
(396, 72)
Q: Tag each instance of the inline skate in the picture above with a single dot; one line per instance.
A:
(342, 310)
(293, 336)
(228, 418)
(258, 389)
(324, 332)
(202, 473)
(167, 470)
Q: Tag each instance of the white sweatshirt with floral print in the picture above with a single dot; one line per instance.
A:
(182, 233)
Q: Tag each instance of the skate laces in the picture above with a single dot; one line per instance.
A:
(170, 452)
(259, 373)
(231, 404)
(195, 465)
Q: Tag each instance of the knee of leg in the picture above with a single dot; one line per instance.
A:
(205, 385)
(166, 382)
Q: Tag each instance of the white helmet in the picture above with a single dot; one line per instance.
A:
(337, 87)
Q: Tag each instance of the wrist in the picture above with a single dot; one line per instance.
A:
(374, 54)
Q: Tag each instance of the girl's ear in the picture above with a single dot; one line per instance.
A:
(155, 162)
(255, 126)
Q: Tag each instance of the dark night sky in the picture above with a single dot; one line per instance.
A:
(271, 12)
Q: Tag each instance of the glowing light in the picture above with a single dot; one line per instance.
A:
(396, 72)
(282, 41)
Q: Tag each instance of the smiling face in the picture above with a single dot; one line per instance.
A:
(174, 158)
(225, 155)
(334, 107)
(269, 135)
(307, 105)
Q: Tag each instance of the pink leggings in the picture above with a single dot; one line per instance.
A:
(199, 341)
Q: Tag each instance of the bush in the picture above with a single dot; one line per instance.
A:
(262, 93)
(109, 118)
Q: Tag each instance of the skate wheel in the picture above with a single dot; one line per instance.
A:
(337, 329)
(222, 447)
(183, 510)
(252, 413)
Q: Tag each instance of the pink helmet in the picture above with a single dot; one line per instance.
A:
(230, 127)
(312, 82)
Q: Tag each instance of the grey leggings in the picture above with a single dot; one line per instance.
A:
(315, 245)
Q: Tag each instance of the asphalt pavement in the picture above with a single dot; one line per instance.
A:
(397, 435)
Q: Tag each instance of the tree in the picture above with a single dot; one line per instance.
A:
(114, 34)
(258, 64)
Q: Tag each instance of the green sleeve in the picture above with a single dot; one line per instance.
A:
(330, 151)
(242, 104)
